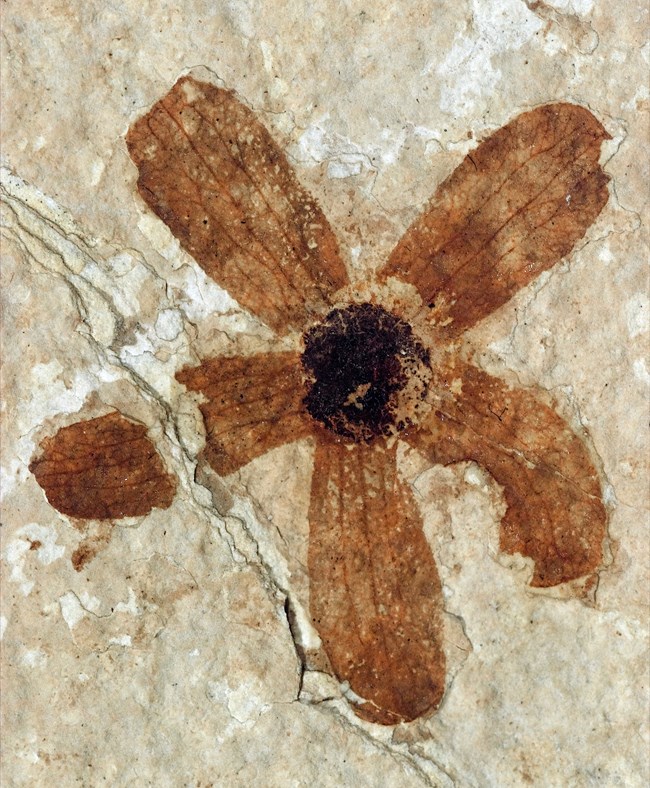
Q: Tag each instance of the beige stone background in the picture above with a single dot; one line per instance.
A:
(169, 660)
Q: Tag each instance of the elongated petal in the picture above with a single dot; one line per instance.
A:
(103, 468)
(212, 173)
(253, 404)
(555, 514)
(515, 206)
(375, 595)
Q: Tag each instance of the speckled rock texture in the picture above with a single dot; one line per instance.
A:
(176, 648)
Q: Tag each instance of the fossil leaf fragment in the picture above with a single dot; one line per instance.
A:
(513, 208)
(375, 594)
(211, 171)
(103, 468)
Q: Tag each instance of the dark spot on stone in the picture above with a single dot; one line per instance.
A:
(367, 373)
(92, 545)
(81, 556)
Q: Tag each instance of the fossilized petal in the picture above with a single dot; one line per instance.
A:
(515, 206)
(212, 173)
(103, 468)
(375, 596)
(253, 404)
(555, 514)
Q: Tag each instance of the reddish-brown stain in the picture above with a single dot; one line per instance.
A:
(103, 468)
(365, 377)
(82, 555)
(514, 207)
(213, 174)
(91, 545)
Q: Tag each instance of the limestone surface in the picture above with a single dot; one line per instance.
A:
(176, 648)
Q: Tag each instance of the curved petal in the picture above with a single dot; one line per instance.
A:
(253, 404)
(213, 174)
(103, 468)
(555, 514)
(375, 596)
(515, 206)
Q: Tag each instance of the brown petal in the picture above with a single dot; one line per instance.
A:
(555, 514)
(213, 174)
(375, 595)
(514, 207)
(254, 404)
(103, 468)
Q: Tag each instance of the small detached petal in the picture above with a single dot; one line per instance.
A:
(103, 468)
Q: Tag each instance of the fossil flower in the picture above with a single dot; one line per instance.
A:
(367, 373)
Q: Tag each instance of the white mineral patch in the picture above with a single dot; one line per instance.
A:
(579, 7)
(641, 370)
(344, 157)
(121, 640)
(51, 393)
(159, 236)
(47, 551)
(96, 171)
(169, 324)
(637, 312)
(243, 703)
(35, 658)
(467, 71)
(71, 609)
(202, 296)
(130, 606)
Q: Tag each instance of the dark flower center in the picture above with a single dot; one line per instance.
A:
(367, 373)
